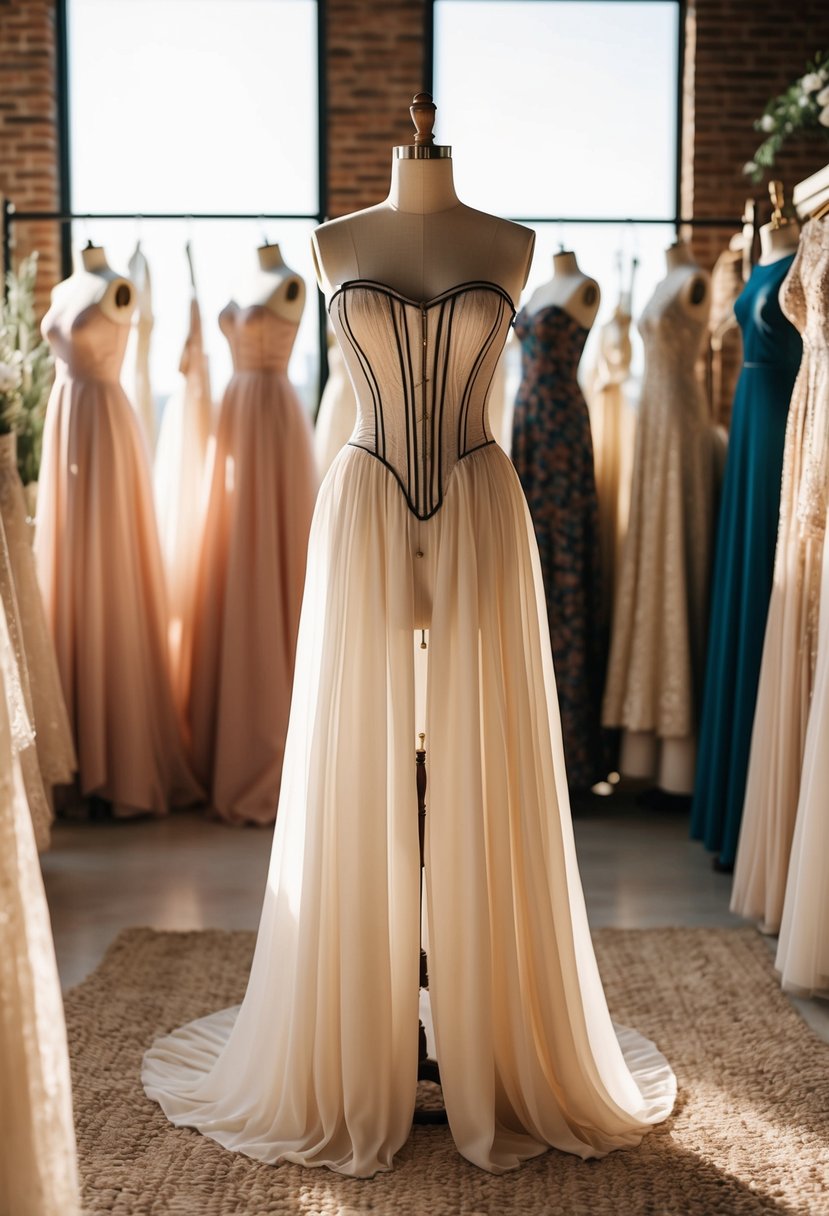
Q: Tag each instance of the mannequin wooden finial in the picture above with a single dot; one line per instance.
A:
(423, 111)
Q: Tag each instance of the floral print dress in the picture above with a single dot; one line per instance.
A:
(552, 451)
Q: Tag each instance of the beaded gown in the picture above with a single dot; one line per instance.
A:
(53, 735)
(552, 451)
(657, 650)
(744, 558)
(260, 500)
(420, 523)
(38, 1168)
(100, 571)
(787, 671)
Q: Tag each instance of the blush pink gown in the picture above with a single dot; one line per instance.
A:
(251, 572)
(99, 567)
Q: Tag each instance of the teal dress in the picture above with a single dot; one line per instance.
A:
(744, 558)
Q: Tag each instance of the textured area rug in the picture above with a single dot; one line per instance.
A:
(750, 1133)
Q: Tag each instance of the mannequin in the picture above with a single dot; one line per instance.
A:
(569, 289)
(273, 285)
(694, 295)
(422, 240)
(95, 282)
(780, 236)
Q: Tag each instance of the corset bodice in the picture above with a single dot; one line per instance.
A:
(421, 372)
(769, 339)
(89, 344)
(259, 340)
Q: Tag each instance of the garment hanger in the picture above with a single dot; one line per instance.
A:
(821, 211)
(188, 252)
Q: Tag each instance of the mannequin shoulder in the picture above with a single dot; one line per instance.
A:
(695, 293)
(335, 243)
(287, 299)
(118, 299)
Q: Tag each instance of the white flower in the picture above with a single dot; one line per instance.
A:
(9, 377)
(811, 82)
(767, 123)
(749, 167)
(823, 117)
(823, 97)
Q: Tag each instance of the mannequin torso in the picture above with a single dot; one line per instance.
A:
(422, 240)
(569, 289)
(691, 281)
(274, 286)
(94, 282)
(777, 242)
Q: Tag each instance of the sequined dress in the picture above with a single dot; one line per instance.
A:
(420, 523)
(789, 650)
(657, 651)
(552, 451)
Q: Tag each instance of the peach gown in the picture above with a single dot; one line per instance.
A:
(251, 571)
(421, 521)
(100, 571)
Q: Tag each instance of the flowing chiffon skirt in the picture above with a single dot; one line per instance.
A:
(319, 1064)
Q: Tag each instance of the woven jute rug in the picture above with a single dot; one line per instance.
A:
(750, 1133)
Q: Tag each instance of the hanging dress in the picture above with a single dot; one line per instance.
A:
(787, 670)
(420, 522)
(657, 649)
(251, 571)
(552, 452)
(179, 486)
(137, 359)
(613, 429)
(744, 558)
(53, 735)
(38, 1167)
(100, 572)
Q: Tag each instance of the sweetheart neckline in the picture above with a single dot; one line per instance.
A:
(458, 289)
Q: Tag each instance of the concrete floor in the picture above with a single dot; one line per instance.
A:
(639, 869)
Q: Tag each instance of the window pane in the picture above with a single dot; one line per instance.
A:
(193, 105)
(559, 107)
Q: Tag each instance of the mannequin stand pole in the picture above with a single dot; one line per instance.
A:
(427, 1069)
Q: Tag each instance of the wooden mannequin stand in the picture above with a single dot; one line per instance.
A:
(427, 1069)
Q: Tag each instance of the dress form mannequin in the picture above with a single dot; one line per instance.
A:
(569, 289)
(273, 285)
(95, 282)
(422, 240)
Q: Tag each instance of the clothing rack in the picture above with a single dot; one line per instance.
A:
(11, 216)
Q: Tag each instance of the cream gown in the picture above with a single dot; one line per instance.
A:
(421, 521)
(657, 651)
(55, 750)
(178, 486)
(38, 1169)
(337, 413)
(787, 672)
(99, 567)
(803, 948)
(251, 571)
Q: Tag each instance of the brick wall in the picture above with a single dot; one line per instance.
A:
(375, 58)
(28, 128)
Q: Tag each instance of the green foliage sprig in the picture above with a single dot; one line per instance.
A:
(25, 369)
(802, 109)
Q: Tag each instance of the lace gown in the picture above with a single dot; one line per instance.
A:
(420, 522)
(38, 1169)
(552, 451)
(55, 751)
(251, 571)
(744, 558)
(787, 671)
(99, 567)
(657, 650)
(178, 486)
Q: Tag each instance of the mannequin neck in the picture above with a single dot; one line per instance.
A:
(94, 259)
(776, 243)
(678, 255)
(270, 257)
(422, 186)
(565, 264)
